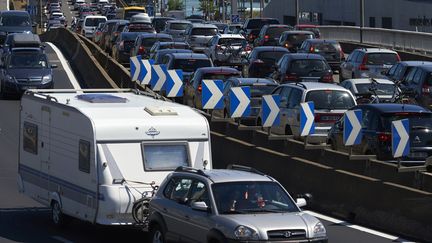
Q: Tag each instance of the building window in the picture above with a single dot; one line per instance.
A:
(30, 138)
(387, 23)
(84, 156)
(372, 22)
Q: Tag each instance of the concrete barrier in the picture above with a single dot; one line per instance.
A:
(359, 199)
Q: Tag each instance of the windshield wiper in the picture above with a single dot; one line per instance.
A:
(264, 210)
(233, 212)
(420, 127)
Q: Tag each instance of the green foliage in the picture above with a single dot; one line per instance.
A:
(175, 5)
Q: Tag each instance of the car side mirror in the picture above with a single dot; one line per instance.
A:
(301, 202)
(54, 66)
(199, 206)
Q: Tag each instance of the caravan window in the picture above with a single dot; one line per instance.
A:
(84, 156)
(30, 138)
(164, 157)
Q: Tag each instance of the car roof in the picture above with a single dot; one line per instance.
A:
(427, 68)
(231, 36)
(315, 86)
(189, 55)
(218, 69)
(271, 48)
(167, 51)
(179, 21)
(322, 41)
(392, 108)
(297, 56)
(150, 35)
(251, 81)
(167, 43)
(201, 25)
(368, 81)
(298, 32)
(14, 12)
(227, 175)
(376, 50)
(277, 25)
(415, 63)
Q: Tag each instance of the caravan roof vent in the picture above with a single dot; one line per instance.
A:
(160, 111)
(101, 98)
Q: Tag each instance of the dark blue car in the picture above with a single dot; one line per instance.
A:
(14, 21)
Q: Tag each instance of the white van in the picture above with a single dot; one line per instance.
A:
(90, 23)
(92, 155)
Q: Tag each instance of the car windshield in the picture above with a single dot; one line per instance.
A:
(251, 197)
(307, 66)
(15, 20)
(271, 56)
(298, 38)
(178, 26)
(149, 42)
(259, 23)
(382, 58)
(204, 31)
(260, 90)
(28, 60)
(220, 76)
(416, 119)
(190, 65)
(94, 21)
(330, 99)
(381, 89)
(232, 41)
(275, 32)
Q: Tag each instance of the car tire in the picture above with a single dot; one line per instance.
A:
(288, 130)
(58, 218)
(258, 121)
(157, 234)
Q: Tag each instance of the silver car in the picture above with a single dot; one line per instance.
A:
(227, 49)
(368, 63)
(176, 28)
(198, 35)
(227, 205)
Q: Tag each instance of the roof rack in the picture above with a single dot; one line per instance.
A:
(244, 168)
(191, 170)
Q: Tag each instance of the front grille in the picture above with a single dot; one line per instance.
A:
(28, 80)
(290, 234)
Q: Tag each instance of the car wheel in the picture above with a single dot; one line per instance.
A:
(259, 122)
(157, 235)
(57, 217)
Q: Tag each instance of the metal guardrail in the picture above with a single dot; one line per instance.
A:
(410, 41)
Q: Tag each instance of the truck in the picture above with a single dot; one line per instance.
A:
(94, 154)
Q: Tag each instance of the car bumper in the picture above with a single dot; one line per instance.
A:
(19, 88)
(318, 240)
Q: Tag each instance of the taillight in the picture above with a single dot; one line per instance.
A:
(384, 137)
(291, 77)
(398, 57)
(426, 89)
(328, 78)
(362, 66)
(199, 88)
(218, 47)
(311, 49)
(248, 48)
(141, 50)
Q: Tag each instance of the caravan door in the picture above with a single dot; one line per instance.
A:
(44, 146)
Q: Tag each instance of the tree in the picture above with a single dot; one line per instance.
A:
(175, 5)
(207, 7)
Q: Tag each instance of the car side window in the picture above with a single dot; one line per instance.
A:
(373, 124)
(410, 75)
(352, 56)
(284, 96)
(392, 70)
(199, 193)
(366, 119)
(180, 190)
(227, 87)
(417, 77)
(359, 57)
(294, 98)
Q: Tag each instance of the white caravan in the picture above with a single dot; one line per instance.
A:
(89, 153)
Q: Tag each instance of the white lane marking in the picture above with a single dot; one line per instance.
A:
(66, 66)
(357, 227)
(61, 239)
(7, 4)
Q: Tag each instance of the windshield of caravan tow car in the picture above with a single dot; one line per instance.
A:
(15, 20)
(162, 157)
(27, 60)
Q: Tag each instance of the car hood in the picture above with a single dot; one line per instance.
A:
(20, 73)
(15, 29)
(263, 222)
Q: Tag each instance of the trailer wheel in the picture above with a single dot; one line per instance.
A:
(57, 216)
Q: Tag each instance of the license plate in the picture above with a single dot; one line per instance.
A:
(28, 87)
(420, 155)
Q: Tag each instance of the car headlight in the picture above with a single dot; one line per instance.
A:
(27, 32)
(245, 233)
(46, 79)
(10, 78)
(319, 229)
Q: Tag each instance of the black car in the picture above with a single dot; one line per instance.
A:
(399, 71)
(115, 33)
(270, 34)
(25, 68)
(292, 40)
(167, 45)
(144, 42)
(261, 61)
(376, 127)
(418, 83)
(188, 62)
(121, 49)
(329, 49)
(299, 67)
(252, 27)
(159, 23)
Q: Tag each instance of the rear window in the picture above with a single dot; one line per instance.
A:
(381, 58)
(178, 26)
(15, 20)
(308, 66)
(174, 46)
(164, 157)
(129, 37)
(220, 76)
(381, 89)
(190, 65)
(259, 23)
(298, 38)
(204, 31)
(330, 99)
(94, 21)
(148, 42)
(326, 47)
(417, 120)
(276, 32)
(260, 90)
(271, 56)
(232, 41)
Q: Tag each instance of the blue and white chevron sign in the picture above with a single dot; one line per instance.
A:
(307, 118)
(212, 96)
(352, 133)
(270, 110)
(240, 102)
(400, 138)
(174, 83)
(145, 75)
(158, 77)
(135, 67)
